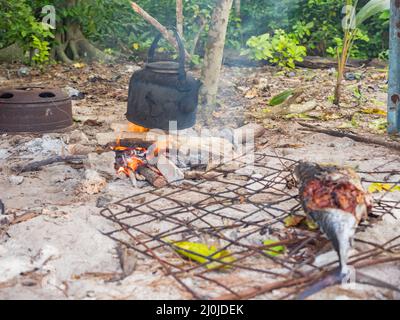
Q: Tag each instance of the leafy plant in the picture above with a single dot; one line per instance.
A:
(314, 24)
(302, 30)
(21, 26)
(352, 31)
(281, 49)
(41, 50)
(355, 51)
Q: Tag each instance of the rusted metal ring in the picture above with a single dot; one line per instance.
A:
(34, 109)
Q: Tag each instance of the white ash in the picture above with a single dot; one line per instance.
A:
(43, 147)
(94, 183)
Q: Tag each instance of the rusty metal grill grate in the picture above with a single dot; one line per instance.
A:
(235, 208)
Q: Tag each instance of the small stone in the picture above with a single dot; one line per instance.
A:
(74, 94)
(23, 72)
(128, 260)
(79, 149)
(76, 136)
(16, 180)
(102, 201)
(263, 84)
(4, 154)
(4, 220)
(132, 69)
(331, 71)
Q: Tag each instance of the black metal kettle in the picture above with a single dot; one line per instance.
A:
(162, 93)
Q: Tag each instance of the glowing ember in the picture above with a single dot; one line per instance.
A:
(134, 163)
(129, 159)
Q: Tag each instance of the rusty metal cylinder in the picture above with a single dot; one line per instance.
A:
(34, 110)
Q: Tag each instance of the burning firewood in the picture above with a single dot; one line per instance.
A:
(155, 178)
(132, 160)
(335, 199)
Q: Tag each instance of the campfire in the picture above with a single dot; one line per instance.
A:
(140, 161)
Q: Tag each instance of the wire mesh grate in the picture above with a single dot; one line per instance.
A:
(235, 208)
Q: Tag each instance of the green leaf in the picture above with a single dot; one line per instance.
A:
(275, 250)
(199, 252)
(280, 98)
(372, 8)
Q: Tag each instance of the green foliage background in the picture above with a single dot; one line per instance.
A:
(112, 25)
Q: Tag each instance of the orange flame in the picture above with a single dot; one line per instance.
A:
(134, 163)
(135, 128)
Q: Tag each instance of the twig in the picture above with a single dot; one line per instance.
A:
(133, 178)
(37, 165)
(355, 137)
(163, 30)
(179, 16)
(25, 217)
(254, 292)
(203, 24)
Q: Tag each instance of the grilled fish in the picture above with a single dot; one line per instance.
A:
(334, 198)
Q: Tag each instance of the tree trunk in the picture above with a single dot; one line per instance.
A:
(238, 7)
(214, 55)
(179, 17)
(338, 90)
(394, 70)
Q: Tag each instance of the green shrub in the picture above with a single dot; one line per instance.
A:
(19, 25)
(281, 49)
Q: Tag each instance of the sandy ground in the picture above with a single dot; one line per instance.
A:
(57, 249)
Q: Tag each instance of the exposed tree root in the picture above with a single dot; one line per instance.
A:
(73, 46)
(355, 137)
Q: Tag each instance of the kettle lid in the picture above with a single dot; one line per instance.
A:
(163, 67)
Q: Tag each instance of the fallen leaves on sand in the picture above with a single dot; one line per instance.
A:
(380, 187)
(203, 253)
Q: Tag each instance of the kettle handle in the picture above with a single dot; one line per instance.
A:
(152, 50)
